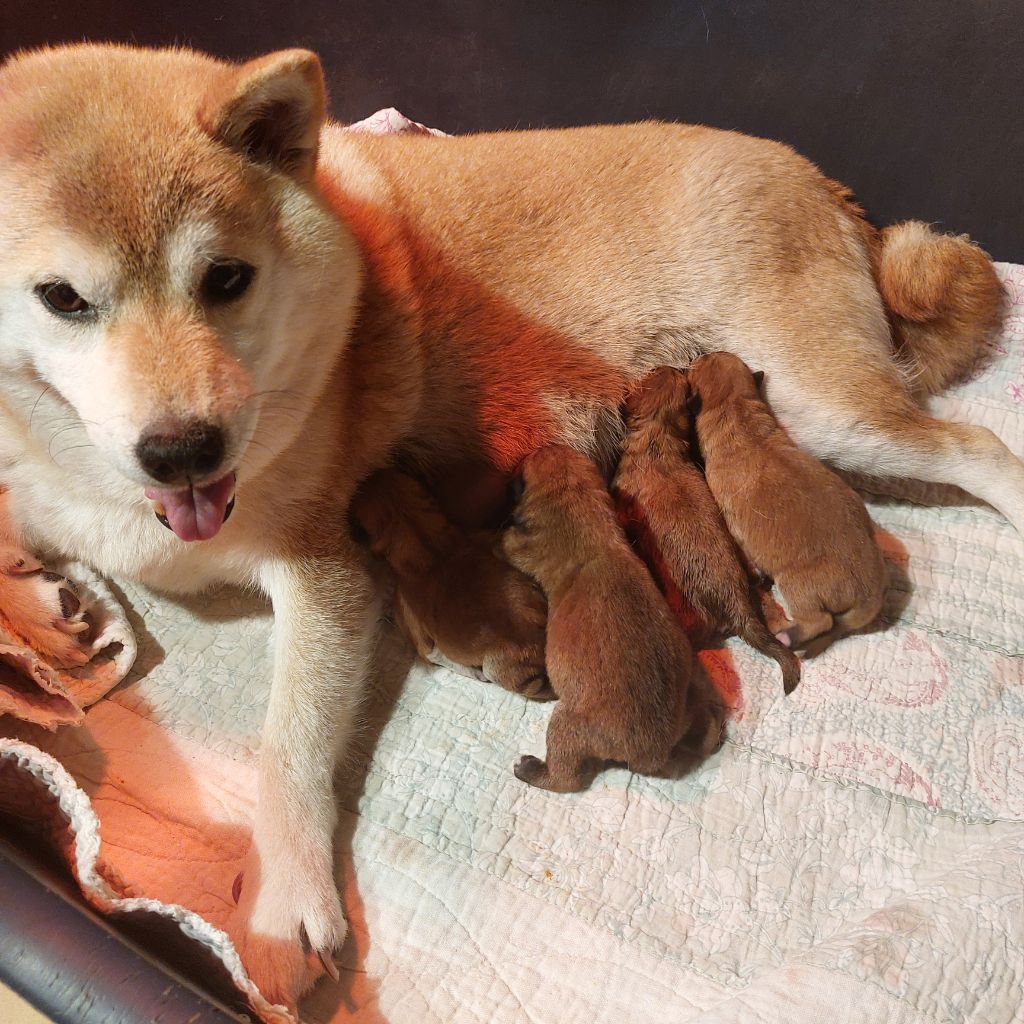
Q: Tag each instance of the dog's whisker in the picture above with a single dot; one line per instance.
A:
(35, 405)
(70, 448)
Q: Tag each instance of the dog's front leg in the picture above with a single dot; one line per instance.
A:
(291, 919)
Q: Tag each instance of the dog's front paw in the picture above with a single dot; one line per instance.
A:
(519, 673)
(534, 687)
(46, 610)
(287, 933)
(529, 769)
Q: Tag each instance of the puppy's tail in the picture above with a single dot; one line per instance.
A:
(943, 297)
(760, 637)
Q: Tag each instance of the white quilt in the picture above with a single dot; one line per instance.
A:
(853, 855)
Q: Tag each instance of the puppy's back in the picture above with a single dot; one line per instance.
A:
(612, 639)
(676, 524)
(791, 515)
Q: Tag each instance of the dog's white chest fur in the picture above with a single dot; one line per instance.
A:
(60, 515)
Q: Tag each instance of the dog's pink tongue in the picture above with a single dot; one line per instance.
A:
(196, 513)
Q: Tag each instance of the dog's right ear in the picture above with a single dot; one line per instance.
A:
(271, 110)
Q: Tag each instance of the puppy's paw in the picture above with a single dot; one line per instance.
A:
(287, 932)
(529, 769)
(519, 670)
(45, 609)
(528, 683)
(536, 687)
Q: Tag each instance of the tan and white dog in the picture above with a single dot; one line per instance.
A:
(209, 295)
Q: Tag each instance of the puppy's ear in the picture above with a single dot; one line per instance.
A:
(759, 379)
(356, 530)
(371, 516)
(516, 488)
(271, 110)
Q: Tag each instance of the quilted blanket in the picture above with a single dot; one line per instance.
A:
(853, 855)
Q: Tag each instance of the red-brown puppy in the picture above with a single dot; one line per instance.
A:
(674, 520)
(795, 520)
(454, 594)
(618, 660)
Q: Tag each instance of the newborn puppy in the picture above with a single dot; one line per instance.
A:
(454, 595)
(618, 660)
(672, 517)
(796, 521)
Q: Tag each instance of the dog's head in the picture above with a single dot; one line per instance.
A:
(662, 389)
(171, 284)
(402, 522)
(563, 508)
(659, 402)
(718, 376)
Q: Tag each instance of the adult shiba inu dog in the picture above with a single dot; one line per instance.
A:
(211, 299)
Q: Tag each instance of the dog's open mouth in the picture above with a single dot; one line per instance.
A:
(195, 513)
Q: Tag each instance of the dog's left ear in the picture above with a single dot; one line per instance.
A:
(759, 379)
(271, 110)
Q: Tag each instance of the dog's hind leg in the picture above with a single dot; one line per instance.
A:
(808, 623)
(901, 440)
(756, 633)
(570, 765)
(850, 406)
(859, 616)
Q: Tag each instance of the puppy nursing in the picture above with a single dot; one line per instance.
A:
(618, 660)
(674, 520)
(454, 595)
(795, 520)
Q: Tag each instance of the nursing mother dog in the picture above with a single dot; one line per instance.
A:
(211, 299)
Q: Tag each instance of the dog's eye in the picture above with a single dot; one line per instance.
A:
(227, 281)
(60, 298)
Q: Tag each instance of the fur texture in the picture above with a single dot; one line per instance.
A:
(676, 524)
(619, 662)
(943, 295)
(454, 594)
(795, 520)
(440, 301)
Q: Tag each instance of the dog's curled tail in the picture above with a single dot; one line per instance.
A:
(944, 299)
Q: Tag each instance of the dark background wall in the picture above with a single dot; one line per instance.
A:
(916, 104)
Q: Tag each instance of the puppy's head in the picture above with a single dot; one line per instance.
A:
(661, 388)
(563, 504)
(718, 376)
(401, 521)
(659, 401)
(171, 285)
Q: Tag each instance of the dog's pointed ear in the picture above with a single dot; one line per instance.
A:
(271, 110)
(759, 379)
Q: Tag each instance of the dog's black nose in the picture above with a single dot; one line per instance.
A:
(175, 456)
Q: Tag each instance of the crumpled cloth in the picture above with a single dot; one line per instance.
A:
(34, 690)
